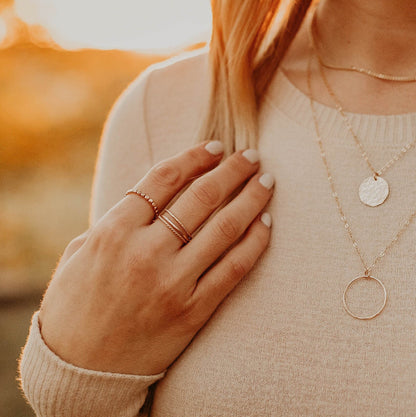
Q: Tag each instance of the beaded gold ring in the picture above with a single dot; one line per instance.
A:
(147, 198)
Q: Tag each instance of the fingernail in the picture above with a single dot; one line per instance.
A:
(252, 155)
(214, 147)
(266, 219)
(267, 180)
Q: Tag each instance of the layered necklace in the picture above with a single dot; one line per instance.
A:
(374, 189)
(367, 268)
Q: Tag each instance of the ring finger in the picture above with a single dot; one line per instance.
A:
(208, 192)
(166, 179)
(227, 226)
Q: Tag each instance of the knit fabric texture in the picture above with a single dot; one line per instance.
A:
(281, 344)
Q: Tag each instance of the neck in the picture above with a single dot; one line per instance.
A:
(375, 34)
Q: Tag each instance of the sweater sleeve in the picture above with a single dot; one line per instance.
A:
(52, 386)
(125, 153)
(56, 388)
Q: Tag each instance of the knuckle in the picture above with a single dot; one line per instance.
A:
(206, 193)
(172, 302)
(236, 165)
(176, 306)
(166, 174)
(76, 243)
(194, 320)
(141, 259)
(239, 267)
(109, 232)
(196, 158)
(227, 229)
(193, 317)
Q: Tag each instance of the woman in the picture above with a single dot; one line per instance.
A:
(322, 322)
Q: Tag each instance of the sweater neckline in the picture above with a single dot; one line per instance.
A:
(377, 130)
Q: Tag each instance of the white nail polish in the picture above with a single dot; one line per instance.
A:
(267, 180)
(214, 147)
(251, 155)
(266, 219)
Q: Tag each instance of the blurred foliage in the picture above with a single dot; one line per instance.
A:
(50, 98)
(14, 322)
(53, 104)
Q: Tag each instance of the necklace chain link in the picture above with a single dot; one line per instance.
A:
(341, 111)
(347, 226)
(347, 122)
(354, 68)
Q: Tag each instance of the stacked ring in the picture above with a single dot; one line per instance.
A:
(175, 226)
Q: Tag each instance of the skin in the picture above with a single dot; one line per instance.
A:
(127, 295)
(376, 34)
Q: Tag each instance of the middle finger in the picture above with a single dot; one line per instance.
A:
(207, 193)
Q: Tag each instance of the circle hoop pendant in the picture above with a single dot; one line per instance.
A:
(344, 297)
(374, 191)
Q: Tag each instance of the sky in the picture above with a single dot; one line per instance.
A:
(143, 25)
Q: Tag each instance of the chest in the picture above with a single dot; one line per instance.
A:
(281, 343)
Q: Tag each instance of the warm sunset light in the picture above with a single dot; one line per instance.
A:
(3, 30)
(143, 25)
(63, 64)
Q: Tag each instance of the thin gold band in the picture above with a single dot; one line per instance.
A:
(172, 227)
(183, 228)
(176, 226)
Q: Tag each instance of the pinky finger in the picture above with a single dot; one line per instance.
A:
(221, 279)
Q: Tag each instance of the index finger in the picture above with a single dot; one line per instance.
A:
(168, 177)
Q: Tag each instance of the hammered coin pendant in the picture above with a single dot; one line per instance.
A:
(373, 191)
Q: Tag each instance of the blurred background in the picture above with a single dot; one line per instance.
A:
(63, 63)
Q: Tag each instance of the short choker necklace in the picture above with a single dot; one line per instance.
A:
(354, 68)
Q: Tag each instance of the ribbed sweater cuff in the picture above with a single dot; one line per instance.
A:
(57, 388)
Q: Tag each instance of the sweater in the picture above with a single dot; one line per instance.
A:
(281, 344)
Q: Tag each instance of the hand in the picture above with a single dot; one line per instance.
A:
(128, 295)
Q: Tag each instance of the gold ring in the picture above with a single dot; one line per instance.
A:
(175, 226)
(147, 198)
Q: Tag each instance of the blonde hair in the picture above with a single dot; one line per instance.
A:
(242, 67)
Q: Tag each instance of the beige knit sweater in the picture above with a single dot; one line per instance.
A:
(281, 344)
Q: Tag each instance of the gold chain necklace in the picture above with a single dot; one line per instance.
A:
(354, 68)
(367, 269)
(373, 190)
